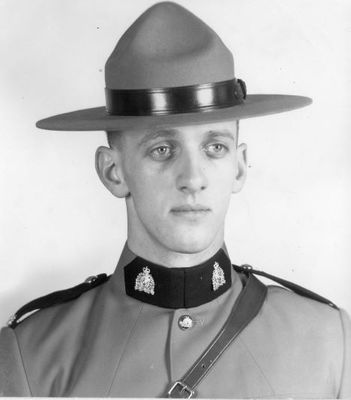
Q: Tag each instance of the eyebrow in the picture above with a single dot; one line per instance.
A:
(153, 135)
(224, 133)
(169, 132)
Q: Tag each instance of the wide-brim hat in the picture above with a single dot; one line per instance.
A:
(170, 68)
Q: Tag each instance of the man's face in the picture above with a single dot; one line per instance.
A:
(180, 182)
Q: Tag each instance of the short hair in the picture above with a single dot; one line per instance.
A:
(114, 138)
(237, 132)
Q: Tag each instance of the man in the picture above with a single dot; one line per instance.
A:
(175, 318)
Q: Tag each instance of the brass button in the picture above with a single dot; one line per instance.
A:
(185, 322)
(11, 321)
(91, 279)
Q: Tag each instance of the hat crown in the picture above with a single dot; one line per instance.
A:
(168, 46)
(170, 68)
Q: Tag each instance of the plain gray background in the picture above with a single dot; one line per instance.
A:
(58, 224)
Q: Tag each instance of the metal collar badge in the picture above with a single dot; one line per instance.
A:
(178, 287)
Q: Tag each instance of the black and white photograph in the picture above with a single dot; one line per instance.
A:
(175, 209)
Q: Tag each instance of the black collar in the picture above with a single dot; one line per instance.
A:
(178, 287)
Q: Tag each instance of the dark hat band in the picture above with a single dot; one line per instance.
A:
(175, 100)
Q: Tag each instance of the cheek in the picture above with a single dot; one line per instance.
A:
(223, 176)
(148, 186)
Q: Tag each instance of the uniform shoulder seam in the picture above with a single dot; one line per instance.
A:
(343, 329)
(248, 269)
(22, 362)
(56, 298)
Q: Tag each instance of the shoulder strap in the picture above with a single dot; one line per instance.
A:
(248, 270)
(55, 298)
(244, 310)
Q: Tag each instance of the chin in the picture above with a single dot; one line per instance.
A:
(189, 244)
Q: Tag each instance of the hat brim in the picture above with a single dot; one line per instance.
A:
(97, 119)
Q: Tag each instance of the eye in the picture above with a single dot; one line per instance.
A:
(161, 153)
(216, 150)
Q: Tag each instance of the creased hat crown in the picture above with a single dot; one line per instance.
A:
(168, 46)
(170, 68)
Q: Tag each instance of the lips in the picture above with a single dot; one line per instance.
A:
(190, 209)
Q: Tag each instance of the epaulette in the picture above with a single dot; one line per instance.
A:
(58, 297)
(248, 269)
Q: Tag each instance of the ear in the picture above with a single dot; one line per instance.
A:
(108, 167)
(241, 168)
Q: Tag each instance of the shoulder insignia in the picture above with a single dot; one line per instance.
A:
(247, 269)
(59, 297)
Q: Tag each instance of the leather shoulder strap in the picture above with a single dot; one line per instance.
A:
(244, 311)
(55, 298)
(248, 270)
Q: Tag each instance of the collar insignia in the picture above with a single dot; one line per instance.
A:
(144, 282)
(178, 287)
(218, 278)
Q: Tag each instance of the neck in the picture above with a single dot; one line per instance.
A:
(154, 251)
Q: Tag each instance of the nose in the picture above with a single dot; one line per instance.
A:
(191, 176)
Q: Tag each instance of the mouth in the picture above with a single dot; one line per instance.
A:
(190, 210)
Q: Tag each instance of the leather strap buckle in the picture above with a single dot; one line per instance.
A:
(181, 391)
(244, 310)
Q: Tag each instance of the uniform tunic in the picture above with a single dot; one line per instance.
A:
(106, 343)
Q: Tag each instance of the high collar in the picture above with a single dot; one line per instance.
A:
(178, 287)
